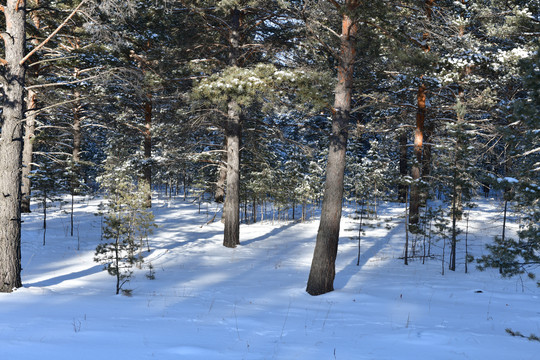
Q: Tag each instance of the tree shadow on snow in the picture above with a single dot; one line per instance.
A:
(345, 275)
(273, 232)
(71, 276)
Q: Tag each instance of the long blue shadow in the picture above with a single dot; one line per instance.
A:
(74, 275)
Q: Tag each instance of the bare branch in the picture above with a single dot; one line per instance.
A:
(52, 34)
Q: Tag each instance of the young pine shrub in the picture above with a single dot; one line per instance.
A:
(126, 224)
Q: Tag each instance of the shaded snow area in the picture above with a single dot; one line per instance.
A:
(211, 302)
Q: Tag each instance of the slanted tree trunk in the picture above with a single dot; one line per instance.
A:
(28, 150)
(11, 139)
(147, 170)
(323, 269)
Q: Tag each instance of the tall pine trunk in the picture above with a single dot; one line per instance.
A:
(233, 136)
(231, 208)
(11, 146)
(28, 150)
(422, 153)
(418, 146)
(30, 125)
(323, 265)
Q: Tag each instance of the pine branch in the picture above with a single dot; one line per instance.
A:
(44, 42)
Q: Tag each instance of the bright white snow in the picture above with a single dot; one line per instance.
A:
(210, 302)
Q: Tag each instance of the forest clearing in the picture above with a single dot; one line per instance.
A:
(211, 302)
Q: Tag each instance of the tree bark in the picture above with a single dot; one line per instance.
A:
(418, 145)
(29, 127)
(233, 136)
(422, 160)
(231, 208)
(28, 150)
(11, 146)
(323, 269)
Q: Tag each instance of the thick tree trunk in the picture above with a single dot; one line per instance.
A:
(11, 146)
(28, 150)
(147, 170)
(233, 136)
(323, 269)
(231, 208)
(418, 145)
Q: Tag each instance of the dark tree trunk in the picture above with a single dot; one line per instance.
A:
(231, 209)
(323, 269)
(418, 144)
(28, 150)
(147, 170)
(11, 146)
(233, 136)
(453, 245)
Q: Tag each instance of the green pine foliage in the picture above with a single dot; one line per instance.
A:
(522, 255)
(128, 224)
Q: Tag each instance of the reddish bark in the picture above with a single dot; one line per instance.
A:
(322, 273)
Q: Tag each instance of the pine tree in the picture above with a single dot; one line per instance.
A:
(12, 79)
(518, 256)
(128, 222)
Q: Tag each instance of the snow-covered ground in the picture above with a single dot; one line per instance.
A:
(210, 302)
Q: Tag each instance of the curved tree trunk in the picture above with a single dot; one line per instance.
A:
(11, 147)
(323, 269)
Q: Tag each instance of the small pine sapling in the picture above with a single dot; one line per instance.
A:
(127, 222)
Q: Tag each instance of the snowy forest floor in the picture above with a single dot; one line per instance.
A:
(211, 302)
